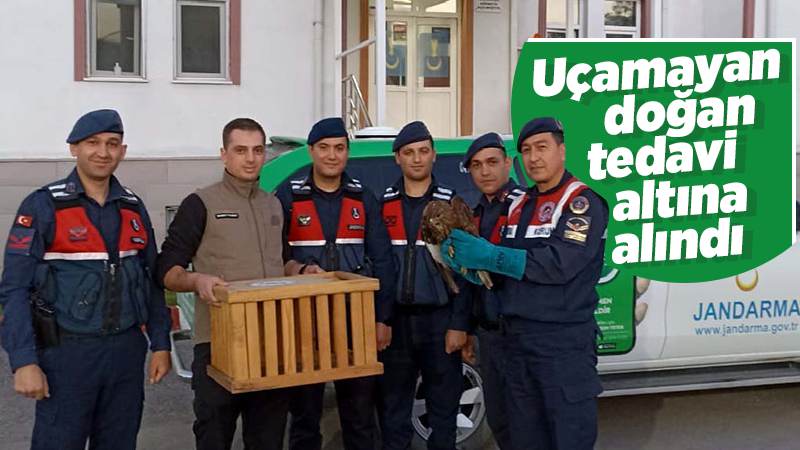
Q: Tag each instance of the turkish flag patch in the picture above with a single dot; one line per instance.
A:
(25, 221)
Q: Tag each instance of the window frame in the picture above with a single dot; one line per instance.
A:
(224, 76)
(140, 46)
(633, 32)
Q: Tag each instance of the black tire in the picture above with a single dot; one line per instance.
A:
(473, 432)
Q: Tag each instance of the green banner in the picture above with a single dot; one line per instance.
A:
(693, 148)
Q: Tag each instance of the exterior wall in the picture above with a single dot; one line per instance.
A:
(492, 70)
(701, 18)
(781, 22)
(331, 67)
(159, 182)
(353, 37)
(167, 122)
(41, 100)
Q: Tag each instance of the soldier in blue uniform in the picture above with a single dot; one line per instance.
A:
(429, 323)
(489, 166)
(76, 288)
(333, 222)
(551, 255)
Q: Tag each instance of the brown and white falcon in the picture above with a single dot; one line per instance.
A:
(438, 219)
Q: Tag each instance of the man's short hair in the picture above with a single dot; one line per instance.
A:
(242, 123)
(558, 137)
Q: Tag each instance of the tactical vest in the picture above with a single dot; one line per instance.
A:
(487, 308)
(547, 212)
(92, 291)
(499, 226)
(420, 282)
(307, 238)
(562, 296)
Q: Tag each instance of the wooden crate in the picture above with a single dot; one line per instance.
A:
(290, 331)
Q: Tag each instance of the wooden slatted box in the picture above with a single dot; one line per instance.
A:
(290, 331)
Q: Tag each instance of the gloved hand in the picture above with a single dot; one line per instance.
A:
(477, 253)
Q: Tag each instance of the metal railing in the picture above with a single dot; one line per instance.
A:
(354, 110)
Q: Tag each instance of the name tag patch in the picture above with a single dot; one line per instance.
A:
(227, 215)
(538, 231)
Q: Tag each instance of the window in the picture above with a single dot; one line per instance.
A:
(557, 18)
(115, 38)
(433, 55)
(621, 18)
(420, 6)
(396, 52)
(201, 43)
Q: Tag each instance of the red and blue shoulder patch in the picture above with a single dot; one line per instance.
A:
(20, 241)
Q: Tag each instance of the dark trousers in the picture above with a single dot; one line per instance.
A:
(356, 402)
(403, 361)
(552, 386)
(96, 393)
(492, 368)
(216, 411)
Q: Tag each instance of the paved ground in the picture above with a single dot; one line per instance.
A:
(743, 419)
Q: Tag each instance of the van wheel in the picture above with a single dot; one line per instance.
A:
(472, 431)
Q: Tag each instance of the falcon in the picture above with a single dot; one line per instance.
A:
(439, 218)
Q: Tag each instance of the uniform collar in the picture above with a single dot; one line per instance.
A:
(400, 187)
(500, 197)
(344, 180)
(74, 186)
(564, 179)
(245, 189)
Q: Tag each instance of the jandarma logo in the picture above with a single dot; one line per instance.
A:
(691, 143)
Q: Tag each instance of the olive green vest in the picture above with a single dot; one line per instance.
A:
(242, 239)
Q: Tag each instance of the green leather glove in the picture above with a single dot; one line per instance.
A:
(462, 249)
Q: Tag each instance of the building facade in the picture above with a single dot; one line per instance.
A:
(178, 70)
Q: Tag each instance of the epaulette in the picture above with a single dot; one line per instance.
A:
(130, 196)
(354, 186)
(62, 190)
(300, 186)
(390, 193)
(514, 194)
(443, 193)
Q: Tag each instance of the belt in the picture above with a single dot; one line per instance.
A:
(64, 334)
(416, 310)
(515, 324)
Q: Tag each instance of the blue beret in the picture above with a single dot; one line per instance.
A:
(91, 123)
(413, 132)
(487, 140)
(327, 128)
(539, 125)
